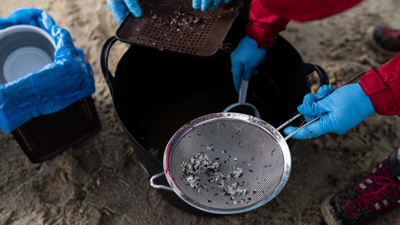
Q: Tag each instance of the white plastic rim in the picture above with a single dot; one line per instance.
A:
(24, 28)
(27, 59)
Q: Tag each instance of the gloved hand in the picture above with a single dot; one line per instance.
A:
(345, 108)
(205, 4)
(121, 8)
(245, 58)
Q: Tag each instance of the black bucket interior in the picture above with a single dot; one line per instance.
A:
(158, 92)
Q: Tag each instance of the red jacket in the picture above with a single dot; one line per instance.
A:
(382, 85)
(268, 17)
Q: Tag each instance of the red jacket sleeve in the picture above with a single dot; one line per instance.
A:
(383, 87)
(264, 26)
(269, 17)
(307, 10)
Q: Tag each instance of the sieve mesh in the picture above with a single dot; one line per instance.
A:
(153, 29)
(241, 140)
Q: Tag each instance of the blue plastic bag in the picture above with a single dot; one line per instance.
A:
(50, 89)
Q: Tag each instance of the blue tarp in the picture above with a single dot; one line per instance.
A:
(50, 89)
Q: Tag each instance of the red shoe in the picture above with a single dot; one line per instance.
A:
(384, 39)
(369, 199)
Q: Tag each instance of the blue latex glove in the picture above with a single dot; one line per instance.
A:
(245, 58)
(53, 87)
(346, 107)
(205, 4)
(121, 8)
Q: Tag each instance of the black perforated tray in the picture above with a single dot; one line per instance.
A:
(204, 38)
(47, 135)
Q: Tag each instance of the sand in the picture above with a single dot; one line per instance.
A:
(100, 181)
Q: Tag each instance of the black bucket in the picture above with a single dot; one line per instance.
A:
(155, 93)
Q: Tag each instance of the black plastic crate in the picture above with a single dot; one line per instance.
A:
(47, 135)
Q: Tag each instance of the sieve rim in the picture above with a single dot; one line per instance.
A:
(275, 134)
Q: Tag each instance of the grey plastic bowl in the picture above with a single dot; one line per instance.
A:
(24, 49)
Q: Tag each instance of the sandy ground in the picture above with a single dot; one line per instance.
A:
(100, 180)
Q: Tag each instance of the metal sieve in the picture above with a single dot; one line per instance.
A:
(246, 142)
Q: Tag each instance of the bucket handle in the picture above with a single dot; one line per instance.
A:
(323, 76)
(323, 80)
(156, 186)
(105, 50)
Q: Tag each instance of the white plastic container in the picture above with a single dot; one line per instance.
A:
(24, 49)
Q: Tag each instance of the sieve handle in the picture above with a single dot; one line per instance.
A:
(242, 99)
(308, 123)
(156, 186)
(243, 91)
(311, 121)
